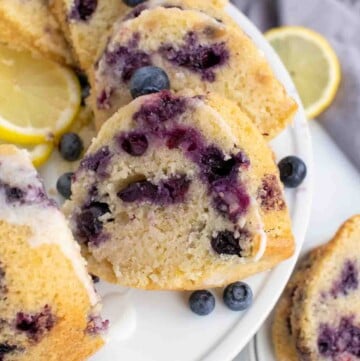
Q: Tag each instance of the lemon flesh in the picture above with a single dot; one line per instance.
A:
(312, 64)
(38, 98)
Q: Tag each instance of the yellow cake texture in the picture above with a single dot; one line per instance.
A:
(49, 308)
(198, 53)
(87, 24)
(179, 192)
(29, 25)
(317, 318)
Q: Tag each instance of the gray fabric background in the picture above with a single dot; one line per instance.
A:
(339, 22)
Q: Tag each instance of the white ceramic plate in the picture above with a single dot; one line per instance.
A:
(158, 326)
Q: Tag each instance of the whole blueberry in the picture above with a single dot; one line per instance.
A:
(63, 185)
(147, 80)
(238, 296)
(292, 171)
(202, 302)
(71, 146)
(133, 3)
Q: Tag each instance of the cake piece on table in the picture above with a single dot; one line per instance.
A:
(317, 317)
(325, 316)
(282, 333)
(48, 307)
(179, 192)
(87, 23)
(30, 25)
(198, 53)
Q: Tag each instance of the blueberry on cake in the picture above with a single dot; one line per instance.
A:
(325, 316)
(197, 52)
(48, 307)
(179, 192)
(30, 25)
(282, 333)
(87, 23)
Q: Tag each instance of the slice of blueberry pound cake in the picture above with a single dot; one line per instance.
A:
(48, 307)
(172, 194)
(282, 334)
(325, 316)
(29, 25)
(87, 23)
(197, 52)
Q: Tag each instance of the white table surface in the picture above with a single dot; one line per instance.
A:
(336, 198)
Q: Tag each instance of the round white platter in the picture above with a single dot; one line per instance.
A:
(158, 326)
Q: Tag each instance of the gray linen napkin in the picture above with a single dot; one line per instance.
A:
(339, 22)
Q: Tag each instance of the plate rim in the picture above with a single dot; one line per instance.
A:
(234, 341)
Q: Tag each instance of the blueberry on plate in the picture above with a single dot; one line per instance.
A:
(133, 3)
(147, 80)
(292, 171)
(71, 146)
(63, 185)
(202, 302)
(238, 296)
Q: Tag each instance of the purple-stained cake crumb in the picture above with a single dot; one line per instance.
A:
(35, 325)
(96, 325)
(168, 191)
(158, 118)
(270, 194)
(336, 341)
(6, 349)
(97, 162)
(230, 199)
(82, 9)
(103, 100)
(30, 194)
(89, 227)
(120, 64)
(201, 59)
(349, 280)
(134, 143)
(159, 109)
(125, 59)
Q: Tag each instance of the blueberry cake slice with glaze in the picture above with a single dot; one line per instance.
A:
(87, 23)
(179, 192)
(325, 316)
(48, 307)
(29, 25)
(198, 53)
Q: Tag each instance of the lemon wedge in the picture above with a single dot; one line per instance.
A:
(312, 64)
(38, 98)
(39, 154)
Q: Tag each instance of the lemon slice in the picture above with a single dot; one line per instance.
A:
(312, 64)
(39, 154)
(38, 98)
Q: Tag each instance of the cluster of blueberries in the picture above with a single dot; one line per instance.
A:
(150, 79)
